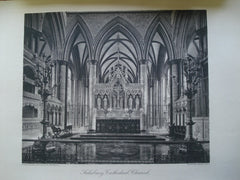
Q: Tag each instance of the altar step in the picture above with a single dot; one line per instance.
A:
(113, 137)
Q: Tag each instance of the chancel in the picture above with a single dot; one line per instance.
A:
(138, 76)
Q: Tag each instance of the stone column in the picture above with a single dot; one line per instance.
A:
(60, 118)
(126, 101)
(72, 91)
(53, 80)
(86, 107)
(175, 81)
(199, 100)
(110, 101)
(56, 117)
(33, 42)
(155, 96)
(53, 117)
(92, 82)
(171, 100)
(80, 103)
(177, 118)
(157, 103)
(62, 89)
(144, 82)
(73, 101)
(162, 101)
(76, 102)
(57, 77)
(150, 107)
(181, 78)
(189, 128)
(173, 89)
(62, 82)
(152, 104)
(66, 94)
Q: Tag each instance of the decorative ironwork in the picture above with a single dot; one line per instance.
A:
(191, 67)
(43, 81)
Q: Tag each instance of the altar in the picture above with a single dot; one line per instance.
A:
(118, 105)
(118, 126)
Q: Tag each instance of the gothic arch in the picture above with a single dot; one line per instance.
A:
(127, 42)
(78, 26)
(185, 28)
(53, 31)
(34, 21)
(196, 32)
(119, 24)
(161, 25)
(159, 46)
(79, 33)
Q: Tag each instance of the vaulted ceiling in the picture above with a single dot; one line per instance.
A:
(118, 51)
(121, 42)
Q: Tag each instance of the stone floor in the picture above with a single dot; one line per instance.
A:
(116, 152)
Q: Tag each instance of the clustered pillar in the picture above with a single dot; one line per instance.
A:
(63, 89)
(174, 91)
(143, 80)
(92, 82)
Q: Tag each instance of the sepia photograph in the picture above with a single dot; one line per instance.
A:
(121, 87)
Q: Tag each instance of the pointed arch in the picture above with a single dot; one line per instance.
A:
(119, 42)
(119, 24)
(53, 31)
(183, 29)
(78, 46)
(159, 47)
(162, 26)
(78, 26)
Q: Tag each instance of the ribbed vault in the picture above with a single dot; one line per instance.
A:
(118, 52)
(79, 54)
(77, 50)
(157, 55)
(117, 46)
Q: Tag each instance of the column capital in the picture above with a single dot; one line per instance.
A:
(61, 62)
(143, 61)
(92, 61)
(174, 61)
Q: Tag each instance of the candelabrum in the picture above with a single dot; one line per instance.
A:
(191, 67)
(43, 82)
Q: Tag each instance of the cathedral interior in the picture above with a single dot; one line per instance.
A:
(116, 72)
